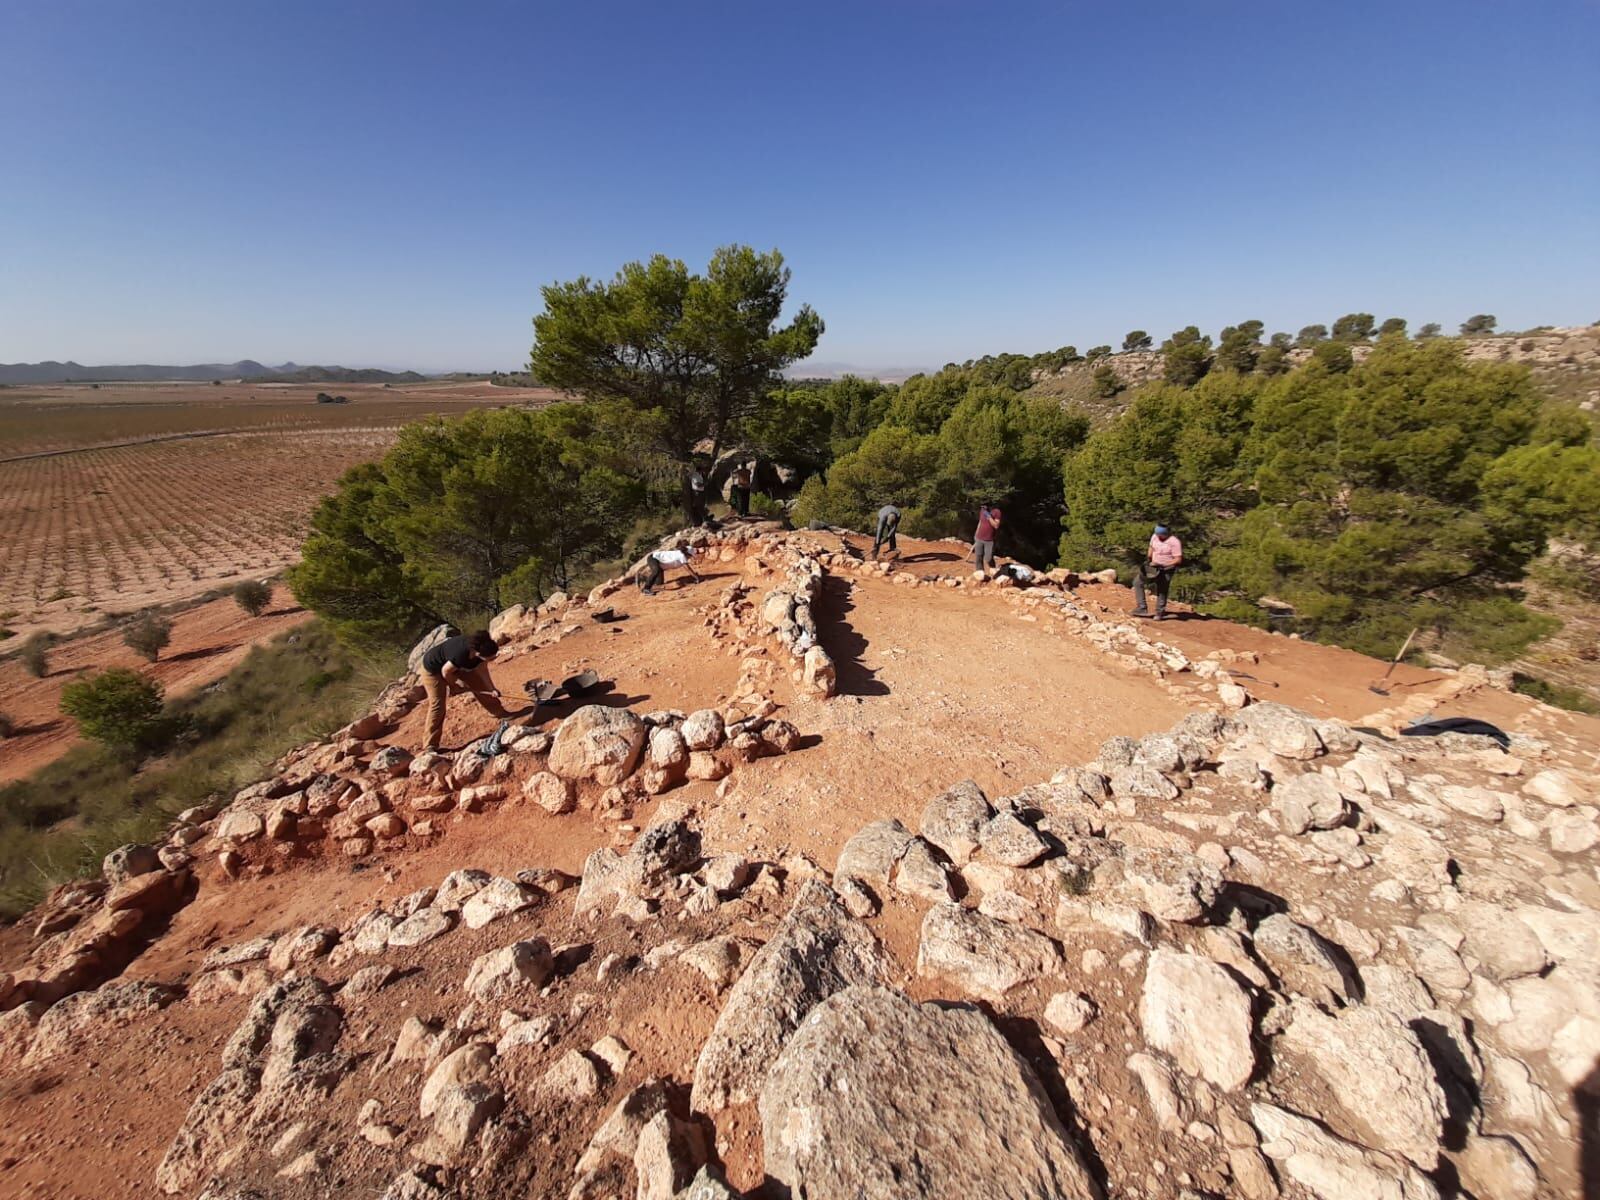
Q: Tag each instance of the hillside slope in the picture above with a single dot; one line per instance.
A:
(1200, 919)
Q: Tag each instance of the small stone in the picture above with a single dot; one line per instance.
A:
(502, 973)
(421, 927)
(1069, 1012)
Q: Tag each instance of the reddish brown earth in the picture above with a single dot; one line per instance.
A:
(936, 685)
(208, 641)
(124, 496)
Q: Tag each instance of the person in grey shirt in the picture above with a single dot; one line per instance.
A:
(888, 524)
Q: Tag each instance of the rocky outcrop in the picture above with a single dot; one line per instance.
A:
(859, 1104)
(818, 950)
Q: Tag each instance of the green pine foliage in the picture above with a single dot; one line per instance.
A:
(1411, 489)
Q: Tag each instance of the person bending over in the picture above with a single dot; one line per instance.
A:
(459, 664)
(1164, 558)
(654, 569)
(888, 525)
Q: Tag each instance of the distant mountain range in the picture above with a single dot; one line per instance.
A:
(71, 372)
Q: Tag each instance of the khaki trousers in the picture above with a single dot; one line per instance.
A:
(474, 682)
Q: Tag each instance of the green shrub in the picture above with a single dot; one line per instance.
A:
(118, 708)
(253, 596)
(147, 635)
(35, 654)
(1555, 694)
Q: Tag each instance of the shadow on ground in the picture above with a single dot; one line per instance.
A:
(843, 644)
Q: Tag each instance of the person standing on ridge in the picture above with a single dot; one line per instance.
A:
(697, 496)
(983, 541)
(888, 525)
(739, 489)
(460, 664)
(1164, 558)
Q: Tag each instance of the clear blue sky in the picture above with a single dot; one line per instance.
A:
(388, 182)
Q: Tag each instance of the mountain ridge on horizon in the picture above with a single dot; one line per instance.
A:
(54, 371)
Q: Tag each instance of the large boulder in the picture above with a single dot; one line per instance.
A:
(1192, 1009)
(598, 743)
(1330, 1167)
(1281, 729)
(429, 640)
(953, 820)
(817, 950)
(1380, 1075)
(859, 1105)
(985, 956)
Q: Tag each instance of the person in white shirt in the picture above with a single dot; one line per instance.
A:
(655, 564)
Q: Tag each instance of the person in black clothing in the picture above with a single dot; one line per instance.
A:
(459, 664)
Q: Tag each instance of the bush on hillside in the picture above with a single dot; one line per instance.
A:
(147, 635)
(35, 654)
(253, 596)
(118, 708)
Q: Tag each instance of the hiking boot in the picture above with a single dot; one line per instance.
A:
(648, 591)
(1161, 616)
(1140, 612)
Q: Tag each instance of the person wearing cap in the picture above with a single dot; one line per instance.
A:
(983, 539)
(1164, 558)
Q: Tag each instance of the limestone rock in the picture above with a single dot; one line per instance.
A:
(703, 729)
(472, 1063)
(1282, 730)
(1307, 802)
(872, 852)
(521, 966)
(498, 898)
(1168, 1105)
(1069, 1012)
(953, 820)
(237, 826)
(1192, 1009)
(985, 956)
(458, 887)
(1379, 1074)
(1302, 960)
(598, 743)
(421, 927)
(550, 792)
(858, 1105)
(123, 863)
(1331, 1168)
(1006, 840)
(817, 950)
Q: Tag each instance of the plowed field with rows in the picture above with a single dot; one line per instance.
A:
(115, 499)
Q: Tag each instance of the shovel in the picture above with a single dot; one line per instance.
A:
(1394, 662)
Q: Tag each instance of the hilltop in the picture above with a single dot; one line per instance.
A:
(1564, 361)
(848, 879)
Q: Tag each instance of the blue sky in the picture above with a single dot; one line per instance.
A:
(390, 182)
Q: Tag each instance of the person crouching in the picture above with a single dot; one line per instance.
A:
(656, 563)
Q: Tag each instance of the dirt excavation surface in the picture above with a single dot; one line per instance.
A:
(847, 880)
(208, 641)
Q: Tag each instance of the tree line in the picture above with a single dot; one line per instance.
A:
(1411, 488)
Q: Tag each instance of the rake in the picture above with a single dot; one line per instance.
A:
(1393, 663)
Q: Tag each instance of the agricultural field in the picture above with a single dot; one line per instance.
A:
(119, 497)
